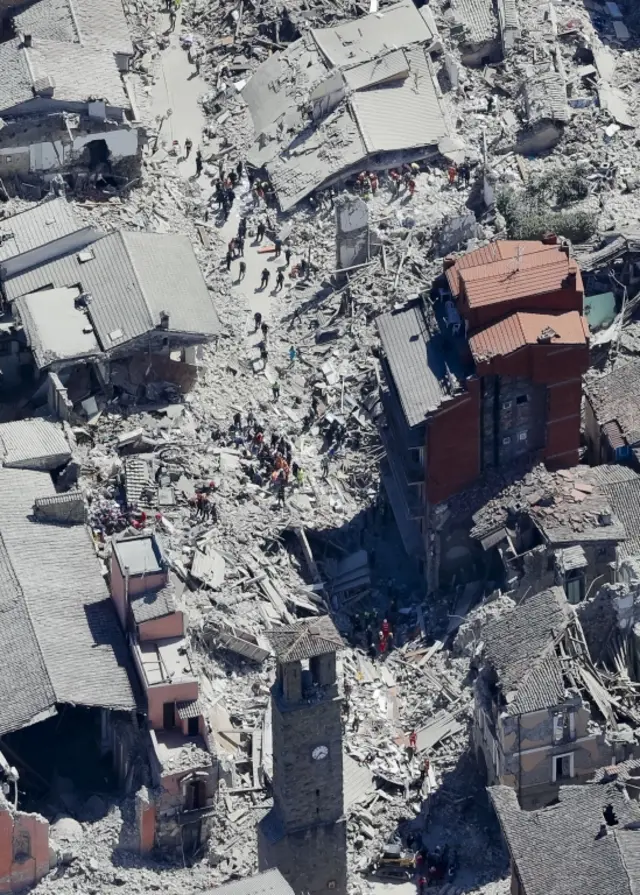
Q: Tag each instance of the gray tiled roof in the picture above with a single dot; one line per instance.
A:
(98, 24)
(62, 62)
(21, 67)
(416, 363)
(131, 277)
(624, 497)
(74, 649)
(520, 647)
(271, 882)
(154, 604)
(33, 444)
(478, 19)
(25, 686)
(35, 227)
(616, 396)
(557, 851)
(16, 85)
(305, 639)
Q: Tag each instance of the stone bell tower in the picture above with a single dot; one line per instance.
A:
(304, 835)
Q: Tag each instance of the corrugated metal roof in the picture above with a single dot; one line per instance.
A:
(131, 277)
(385, 68)
(193, 708)
(171, 281)
(404, 114)
(523, 328)
(36, 227)
(33, 444)
(80, 640)
(416, 364)
(271, 882)
(356, 41)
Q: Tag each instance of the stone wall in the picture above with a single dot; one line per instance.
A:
(313, 860)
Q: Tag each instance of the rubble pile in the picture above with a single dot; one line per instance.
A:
(248, 559)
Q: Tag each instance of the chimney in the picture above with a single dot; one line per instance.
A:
(164, 320)
(26, 40)
(448, 262)
(605, 517)
(549, 239)
(602, 832)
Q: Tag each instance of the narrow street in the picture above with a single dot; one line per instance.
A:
(179, 88)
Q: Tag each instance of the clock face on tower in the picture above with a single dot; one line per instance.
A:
(320, 752)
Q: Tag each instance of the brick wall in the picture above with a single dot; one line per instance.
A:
(453, 445)
(24, 849)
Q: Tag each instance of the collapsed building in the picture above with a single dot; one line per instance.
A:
(587, 842)
(485, 374)
(539, 720)
(86, 306)
(339, 100)
(538, 528)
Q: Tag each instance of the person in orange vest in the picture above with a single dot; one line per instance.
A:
(382, 642)
(452, 171)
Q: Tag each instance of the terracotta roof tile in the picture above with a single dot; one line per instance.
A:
(501, 281)
(524, 328)
(501, 250)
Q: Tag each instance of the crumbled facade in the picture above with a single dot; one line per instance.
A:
(569, 527)
(534, 726)
(184, 773)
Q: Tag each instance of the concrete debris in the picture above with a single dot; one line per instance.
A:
(256, 458)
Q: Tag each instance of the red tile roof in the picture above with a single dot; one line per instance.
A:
(522, 328)
(505, 270)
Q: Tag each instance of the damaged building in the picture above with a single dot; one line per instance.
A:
(486, 374)
(54, 122)
(338, 100)
(588, 842)
(612, 415)
(65, 669)
(570, 528)
(86, 314)
(176, 815)
(537, 716)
